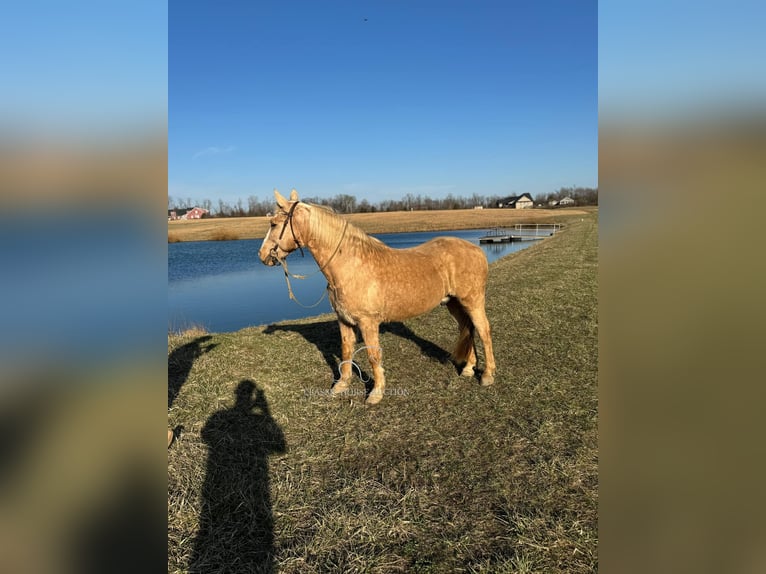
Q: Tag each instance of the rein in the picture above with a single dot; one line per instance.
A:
(283, 262)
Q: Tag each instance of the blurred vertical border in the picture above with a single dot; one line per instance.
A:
(682, 166)
(83, 184)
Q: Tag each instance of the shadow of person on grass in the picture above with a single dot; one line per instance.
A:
(236, 532)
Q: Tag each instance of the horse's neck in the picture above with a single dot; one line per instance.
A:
(324, 246)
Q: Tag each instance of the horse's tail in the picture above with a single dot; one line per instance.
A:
(464, 343)
(464, 346)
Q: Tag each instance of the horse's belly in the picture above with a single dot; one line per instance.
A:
(412, 303)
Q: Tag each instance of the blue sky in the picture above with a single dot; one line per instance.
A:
(380, 99)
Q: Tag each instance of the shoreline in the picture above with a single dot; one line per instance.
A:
(235, 228)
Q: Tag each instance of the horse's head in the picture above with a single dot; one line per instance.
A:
(283, 236)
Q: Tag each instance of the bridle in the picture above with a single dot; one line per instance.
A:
(289, 220)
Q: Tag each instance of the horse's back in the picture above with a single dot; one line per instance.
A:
(456, 253)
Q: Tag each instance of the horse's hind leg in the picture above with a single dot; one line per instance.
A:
(464, 354)
(370, 334)
(478, 315)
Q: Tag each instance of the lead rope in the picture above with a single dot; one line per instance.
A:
(294, 276)
(290, 288)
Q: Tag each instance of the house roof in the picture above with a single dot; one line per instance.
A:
(184, 210)
(514, 198)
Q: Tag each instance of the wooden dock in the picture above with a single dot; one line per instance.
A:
(520, 232)
(509, 238)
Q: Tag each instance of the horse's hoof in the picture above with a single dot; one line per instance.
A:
(374, 398)
(487, 380)
(339, 388)
(467, 371)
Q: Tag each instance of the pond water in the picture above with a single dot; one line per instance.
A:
(222, 285)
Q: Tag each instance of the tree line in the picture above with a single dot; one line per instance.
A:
(345, 203)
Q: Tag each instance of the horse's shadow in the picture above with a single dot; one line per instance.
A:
(325, 336)
(427, 348)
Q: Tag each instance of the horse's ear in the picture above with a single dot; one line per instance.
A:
(293, 195)
(281, 201)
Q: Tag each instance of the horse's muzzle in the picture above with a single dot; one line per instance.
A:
(272, 258)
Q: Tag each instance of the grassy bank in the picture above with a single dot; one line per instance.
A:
(393, 222)
(442, 476)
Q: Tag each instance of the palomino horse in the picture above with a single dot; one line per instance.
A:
(369, 283)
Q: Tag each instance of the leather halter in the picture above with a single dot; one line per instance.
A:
(284, 226)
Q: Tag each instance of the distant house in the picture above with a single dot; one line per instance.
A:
(187, 213)
(566, 201)
(523, 201)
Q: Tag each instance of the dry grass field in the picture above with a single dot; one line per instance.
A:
(272, 474)
(389, 222)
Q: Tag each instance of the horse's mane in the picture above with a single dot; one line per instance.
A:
(327, 227)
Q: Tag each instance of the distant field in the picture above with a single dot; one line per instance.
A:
(390, 222)
(442, 476)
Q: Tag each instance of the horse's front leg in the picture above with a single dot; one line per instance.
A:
(347, 342)
(375, 355)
